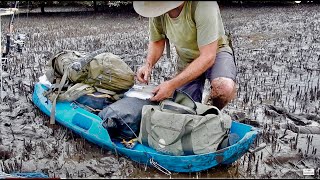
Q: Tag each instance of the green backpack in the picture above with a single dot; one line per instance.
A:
(181, 126)
(100, 70)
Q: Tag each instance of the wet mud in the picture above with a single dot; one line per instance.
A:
(277, 52)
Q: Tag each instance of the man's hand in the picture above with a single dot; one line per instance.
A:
(144, 73)
(155, 50)
(163, 91)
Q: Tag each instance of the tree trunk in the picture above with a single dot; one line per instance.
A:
(95, 6)
(42, 7)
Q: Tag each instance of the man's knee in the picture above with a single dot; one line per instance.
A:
(223, 90)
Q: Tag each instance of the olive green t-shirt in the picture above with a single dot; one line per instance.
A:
(188, 33)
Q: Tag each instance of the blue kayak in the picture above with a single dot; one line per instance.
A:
(89, 126)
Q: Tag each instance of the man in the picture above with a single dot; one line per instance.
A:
(196, 30)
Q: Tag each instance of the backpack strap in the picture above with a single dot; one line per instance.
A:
(165, 37)
(51, 72)
(75, 92)
(193, 10)
(167, 47)
(54, 103)
(83, 61)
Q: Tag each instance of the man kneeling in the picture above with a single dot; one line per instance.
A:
(196, 30)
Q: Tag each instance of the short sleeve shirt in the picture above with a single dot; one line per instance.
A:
(188, 33)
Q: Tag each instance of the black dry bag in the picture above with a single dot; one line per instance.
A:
(122, 118)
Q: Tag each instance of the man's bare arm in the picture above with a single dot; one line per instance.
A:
(198, 66)
(155, 50)
(194, 70)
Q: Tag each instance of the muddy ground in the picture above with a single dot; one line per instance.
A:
(277, 51)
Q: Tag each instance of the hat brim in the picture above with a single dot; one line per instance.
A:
(154, 8)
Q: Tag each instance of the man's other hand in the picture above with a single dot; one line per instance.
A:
(163, 91)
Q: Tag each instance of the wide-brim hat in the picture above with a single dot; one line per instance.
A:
(154, 8)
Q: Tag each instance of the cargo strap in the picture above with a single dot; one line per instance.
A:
(87, 107)
(55, 96)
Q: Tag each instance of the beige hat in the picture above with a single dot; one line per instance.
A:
(154, 8)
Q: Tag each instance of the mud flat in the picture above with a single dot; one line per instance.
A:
(277, 51)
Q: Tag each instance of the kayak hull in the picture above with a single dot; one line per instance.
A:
(89, 126)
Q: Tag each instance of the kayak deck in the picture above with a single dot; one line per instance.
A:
(89, 126)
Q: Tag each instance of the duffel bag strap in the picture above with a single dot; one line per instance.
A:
(184, 99)
(180, 102)
(174, 107)
(203, 109)
(184, 136)
(185, 130)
